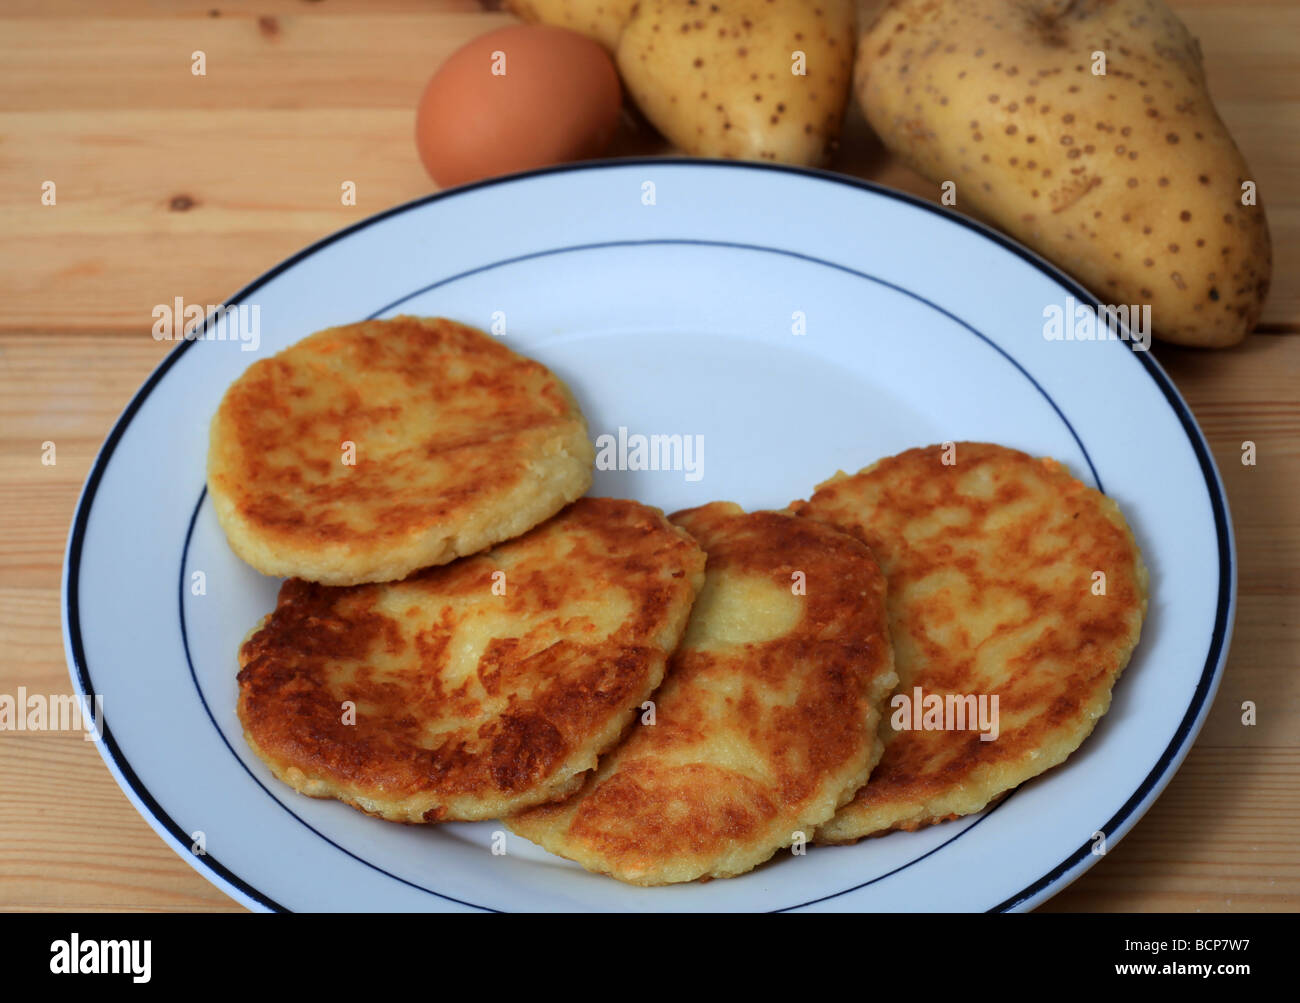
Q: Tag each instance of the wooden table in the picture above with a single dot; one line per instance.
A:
(174, 185)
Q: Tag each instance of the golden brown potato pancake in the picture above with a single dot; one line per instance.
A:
(365, 452)
(766, 722)
(477, 688)
(992, 563)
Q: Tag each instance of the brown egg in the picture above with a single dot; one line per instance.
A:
(516, 98)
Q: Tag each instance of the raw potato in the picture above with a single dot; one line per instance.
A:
(718, 79)
(602, 20)
(1129, 181)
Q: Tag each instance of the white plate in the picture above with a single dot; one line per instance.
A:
(671, 317)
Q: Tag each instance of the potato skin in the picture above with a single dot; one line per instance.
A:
(717, 78)
(1128, 180)
(602, 20)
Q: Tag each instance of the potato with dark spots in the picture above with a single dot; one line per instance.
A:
(743, 79)
(1127, 179)
(602, 20)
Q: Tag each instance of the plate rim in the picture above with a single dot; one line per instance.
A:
(1031, 895)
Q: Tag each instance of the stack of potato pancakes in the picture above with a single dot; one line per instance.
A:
(463, 636)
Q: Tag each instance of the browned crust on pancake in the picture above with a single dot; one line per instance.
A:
(548, 692)
(1034, 574)
(459, 443)
(752, 741)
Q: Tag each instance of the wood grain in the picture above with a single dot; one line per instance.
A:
(171, 185)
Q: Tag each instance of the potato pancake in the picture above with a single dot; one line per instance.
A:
(767, 720)
(477, 688)
(365, 452)
(1010, 583)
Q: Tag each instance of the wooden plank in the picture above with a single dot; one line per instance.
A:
(67, 10)
(1221, 838)
(297, 60)
(174, 185)
(70, 840)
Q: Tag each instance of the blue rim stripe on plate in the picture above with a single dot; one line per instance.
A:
(1158, 774)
